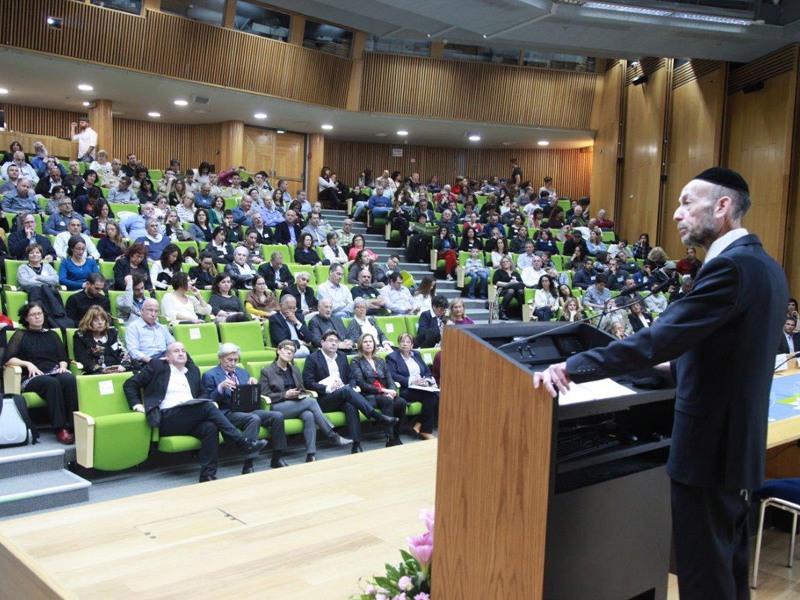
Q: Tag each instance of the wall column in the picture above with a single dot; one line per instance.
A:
(100, 116)
(229, 14)
(437, 49)
(231, 145)
(356, 71)
(316, 160)
(297, 29)
(151, 5)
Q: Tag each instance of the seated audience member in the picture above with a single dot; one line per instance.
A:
(76, 267)
(369, 293)
(219, 384)
(286, 325)
(371, 374)
(656, 302)
(96, 344)
(338, 294)
(133, 262)
(204, 273)
(74, 177)
(165, 390)
(200, 229)
(283, 384)
(226, 306)
(345, 233)
(219, 247)
(545, 299)
(264, 234)
(305, 253)
(255, 253)
(572, 311)
(597, 295)
(129, 304)
(59, 222)
(25, 235)
(166, 267)
(111, 246)
(509, 287)
(74, 229)
(261, 302)
(35, 273)
(382, 271)
(363, 323)
(287, 231)
(326, 372)
(317, 231)
(92, 294)
(41, 355)
(185, 304)
(603, 221)
(277, 275)
(303, 294)
(431, 323)
(154, 242)
(594, 245)
(689, 265)
(398, 297)
(584, 278)
(478, 273)
(527, 257)
(639, 319)
(21, 199)
(17, 159)
(134, 226)
(10, 183)
(325, 321)
(532, 274)
(240, 272)
(410, 371)
(446, 246)
(146, 338)
(123, 193)
(613, 315)
(332, 251)
(359, 245)
(458, 313)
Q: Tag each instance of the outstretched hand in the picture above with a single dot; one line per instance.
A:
(555, 379)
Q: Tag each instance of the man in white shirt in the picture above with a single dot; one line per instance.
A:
(123, 194)
(25, 170)
(74, 227)
(533, 273)
(337, 293)
(397, 297)
(86, 137)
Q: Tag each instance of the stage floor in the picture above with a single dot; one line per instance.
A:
(307, 531)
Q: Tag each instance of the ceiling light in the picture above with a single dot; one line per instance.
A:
(86, 103)
(181, 103)
(711, 18)
(3, 91)
(260, 115)
(474, 138)
(381, 134)
(154, 114)
(543, 143)
(402, 132)
(85, 87)
(626, 8)
(281, 131)
(327, 126)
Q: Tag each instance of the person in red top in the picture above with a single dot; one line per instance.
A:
(689, 265)
(602, 221)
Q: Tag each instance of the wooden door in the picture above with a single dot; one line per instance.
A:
(281, 155)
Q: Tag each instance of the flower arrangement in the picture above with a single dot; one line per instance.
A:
(410, 579)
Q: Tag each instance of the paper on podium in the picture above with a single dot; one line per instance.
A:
(592, 390)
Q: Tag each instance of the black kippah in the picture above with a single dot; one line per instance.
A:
(724, 177)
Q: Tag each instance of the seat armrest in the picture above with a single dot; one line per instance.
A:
(12, 380)
(84, 439)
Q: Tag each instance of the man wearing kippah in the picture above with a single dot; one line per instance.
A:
(720, 422)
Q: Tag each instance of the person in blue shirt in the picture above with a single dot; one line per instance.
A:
(76, 267)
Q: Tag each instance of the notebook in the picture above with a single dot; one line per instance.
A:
(244, 398)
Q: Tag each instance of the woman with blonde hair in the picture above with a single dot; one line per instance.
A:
(96, 344)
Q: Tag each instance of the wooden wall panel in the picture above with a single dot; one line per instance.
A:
(606, 120)
(55, 147)
(39, 121)
(156, 143)
(759, 147)
(570, 169)
(290, 159)
(695, 138)
(473, 91)
(644, 131)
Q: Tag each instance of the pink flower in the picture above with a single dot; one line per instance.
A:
(427, 517)
(422, 596)
(400, 596)
(382, 597)
(371, 591)
(405, 583)
(421, 548)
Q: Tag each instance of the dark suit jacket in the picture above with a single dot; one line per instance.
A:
(317, 326)
(282, 232)
(149, 386)
(311, 299)
(428, 332)
(17, 242)
(271, 382)
(363, 375)
(399, 370)
(316, 369)
(268, 272)
(213, 377)
(720, 429)
(279, 330)
(354, 330)
(637, 324)
(783, 345)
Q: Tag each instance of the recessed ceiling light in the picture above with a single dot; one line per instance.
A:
(3, 91)
(181, 103)
(86, 103)
(154, 114)
(381, 134)
(85, 87)
(260, 115)
(474, 138)
(543, 143)
(507, 143)
(402, 132)
(327, 126)
(280, 131)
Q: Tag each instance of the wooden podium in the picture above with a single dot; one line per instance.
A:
(503, 529)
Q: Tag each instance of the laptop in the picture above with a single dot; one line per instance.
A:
(245, 398)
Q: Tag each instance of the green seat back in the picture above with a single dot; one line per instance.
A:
(248, 335)
(392, 327)
(201, 341)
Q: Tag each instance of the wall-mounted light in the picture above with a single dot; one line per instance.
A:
(53, 22)
(639, 80)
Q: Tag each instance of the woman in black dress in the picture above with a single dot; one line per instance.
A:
(96, 344)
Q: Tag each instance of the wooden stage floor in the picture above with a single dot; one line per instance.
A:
(309, 531)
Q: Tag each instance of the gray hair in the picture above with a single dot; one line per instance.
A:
(359, 302)
(228, 348)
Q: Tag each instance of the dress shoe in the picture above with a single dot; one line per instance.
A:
(248, 467)
(393, 441)
(311, 458)
(338, 440)
(426, 436)
(385, 419)
(277, 462)
(356, 448)
(65, 437)
(204, 478)
(247, 445)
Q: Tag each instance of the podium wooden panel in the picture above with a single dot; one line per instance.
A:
(492, 485)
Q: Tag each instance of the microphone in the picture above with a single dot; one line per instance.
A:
(788, 358)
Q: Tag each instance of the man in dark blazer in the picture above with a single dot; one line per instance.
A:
(25, 235)
(303, 295)
(219, 383)
(166, 390)
(327, 372)
(286, 325)
(789, 342)
(288, 231)
(431, 322)
(324, 321)
(276, 274)
(720, 427)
